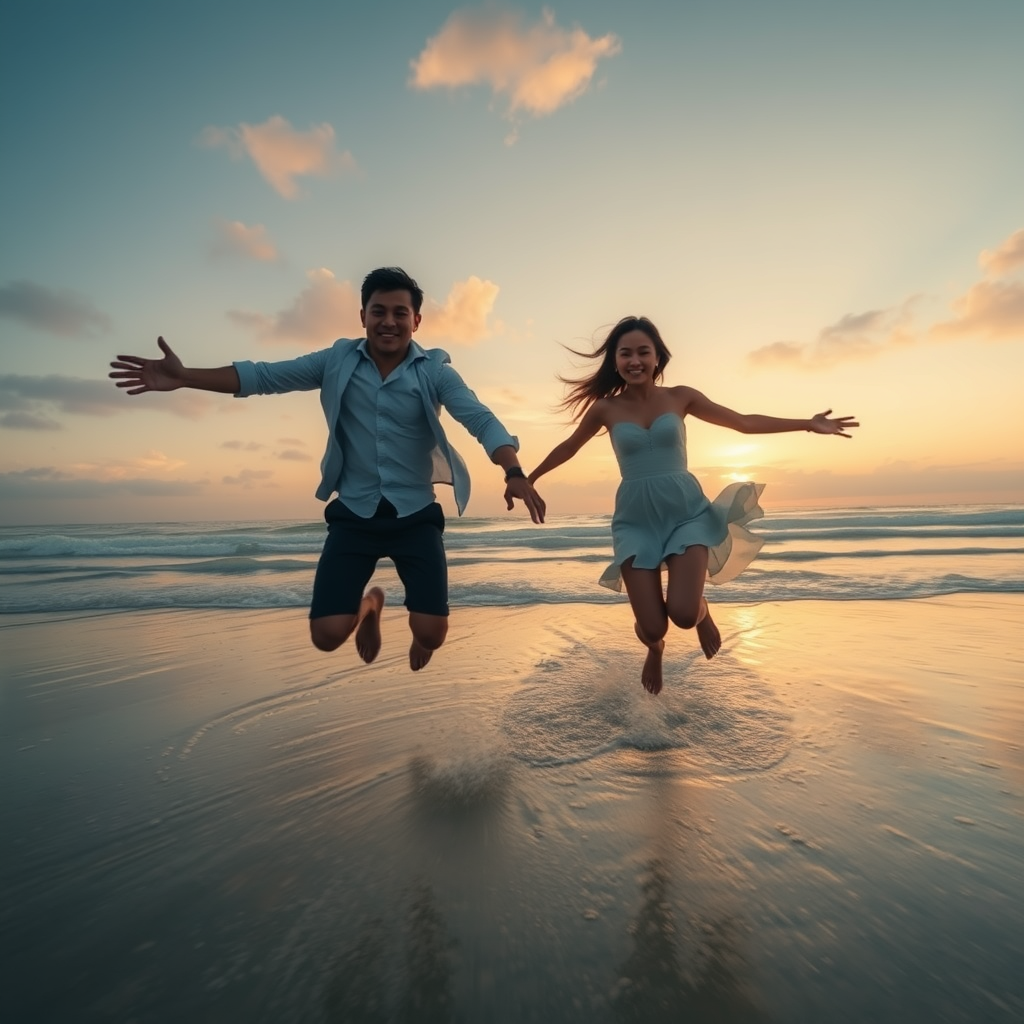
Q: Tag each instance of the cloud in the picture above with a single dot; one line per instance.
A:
(120, 469)
(258, 323)
(237, 239)
(63, 312)
(68, 394)
(28, 421)
(1004, 258)
(282, 154)
(536, 68)
(463, 317)
(46, 482)
(990, 310)
(294, 455)
(247, 477)
(854, 336)
(82, 397)
(326, 309)
(243, 446)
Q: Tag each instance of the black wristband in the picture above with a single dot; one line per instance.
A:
(514, 473)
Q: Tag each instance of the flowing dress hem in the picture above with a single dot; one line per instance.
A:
(738, 504)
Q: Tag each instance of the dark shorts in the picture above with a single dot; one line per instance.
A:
(354, 546)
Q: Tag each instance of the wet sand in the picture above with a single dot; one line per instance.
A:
(206, 818)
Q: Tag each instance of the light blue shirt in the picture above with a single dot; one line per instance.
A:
(385, 439)
(410, 450)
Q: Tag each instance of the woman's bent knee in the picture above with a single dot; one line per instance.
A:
(686, 617)
(650, 631)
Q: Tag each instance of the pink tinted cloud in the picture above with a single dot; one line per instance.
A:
(536, 68)
(990, 310)
(327, 309)
(324, 310)
(463, 318)
(1005, 258)
(248, 241)
(993, 309)
(281, 153)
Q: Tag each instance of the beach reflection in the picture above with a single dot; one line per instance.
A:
(685, 964)
(361, 989)
(662, 980)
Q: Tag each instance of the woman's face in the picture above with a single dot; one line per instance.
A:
(636, 358)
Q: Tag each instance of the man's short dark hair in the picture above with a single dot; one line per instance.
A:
(391, 279)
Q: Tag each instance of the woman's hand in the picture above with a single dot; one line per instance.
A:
(825, 423)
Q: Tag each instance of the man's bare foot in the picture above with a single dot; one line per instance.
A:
(368, 633)
(418, 655)
(708, 635)
(651, 674)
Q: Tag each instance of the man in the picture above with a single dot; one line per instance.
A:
(385, 449)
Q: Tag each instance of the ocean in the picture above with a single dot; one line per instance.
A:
(832, 555)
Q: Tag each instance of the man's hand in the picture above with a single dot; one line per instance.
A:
(521, 488)
(139, 375)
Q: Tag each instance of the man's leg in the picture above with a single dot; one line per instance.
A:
(419, 557)
(368, 633)
(339, 605)
(428, 633)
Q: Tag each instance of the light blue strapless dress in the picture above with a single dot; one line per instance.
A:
(660, 509)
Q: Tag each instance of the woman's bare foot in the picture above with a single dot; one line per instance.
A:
(708, 635)
(651, 674)
(418, 655)
(368, 633)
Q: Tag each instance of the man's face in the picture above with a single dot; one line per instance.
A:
(389, 321)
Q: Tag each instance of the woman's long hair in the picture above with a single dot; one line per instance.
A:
(605, 381)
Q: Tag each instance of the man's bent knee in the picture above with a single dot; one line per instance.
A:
(331, 631)
(429, 630)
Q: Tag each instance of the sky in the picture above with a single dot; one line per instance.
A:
(820, 204)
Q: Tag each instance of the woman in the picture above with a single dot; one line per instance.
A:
(661, 514)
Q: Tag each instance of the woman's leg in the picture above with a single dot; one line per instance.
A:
(645, 598)
(685, 603)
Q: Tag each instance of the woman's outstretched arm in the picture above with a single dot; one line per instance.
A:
(591, 423)
(703, 408)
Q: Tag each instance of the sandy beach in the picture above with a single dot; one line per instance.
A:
(204, 818)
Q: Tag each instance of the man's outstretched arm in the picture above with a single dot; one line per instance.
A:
(140, 375)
